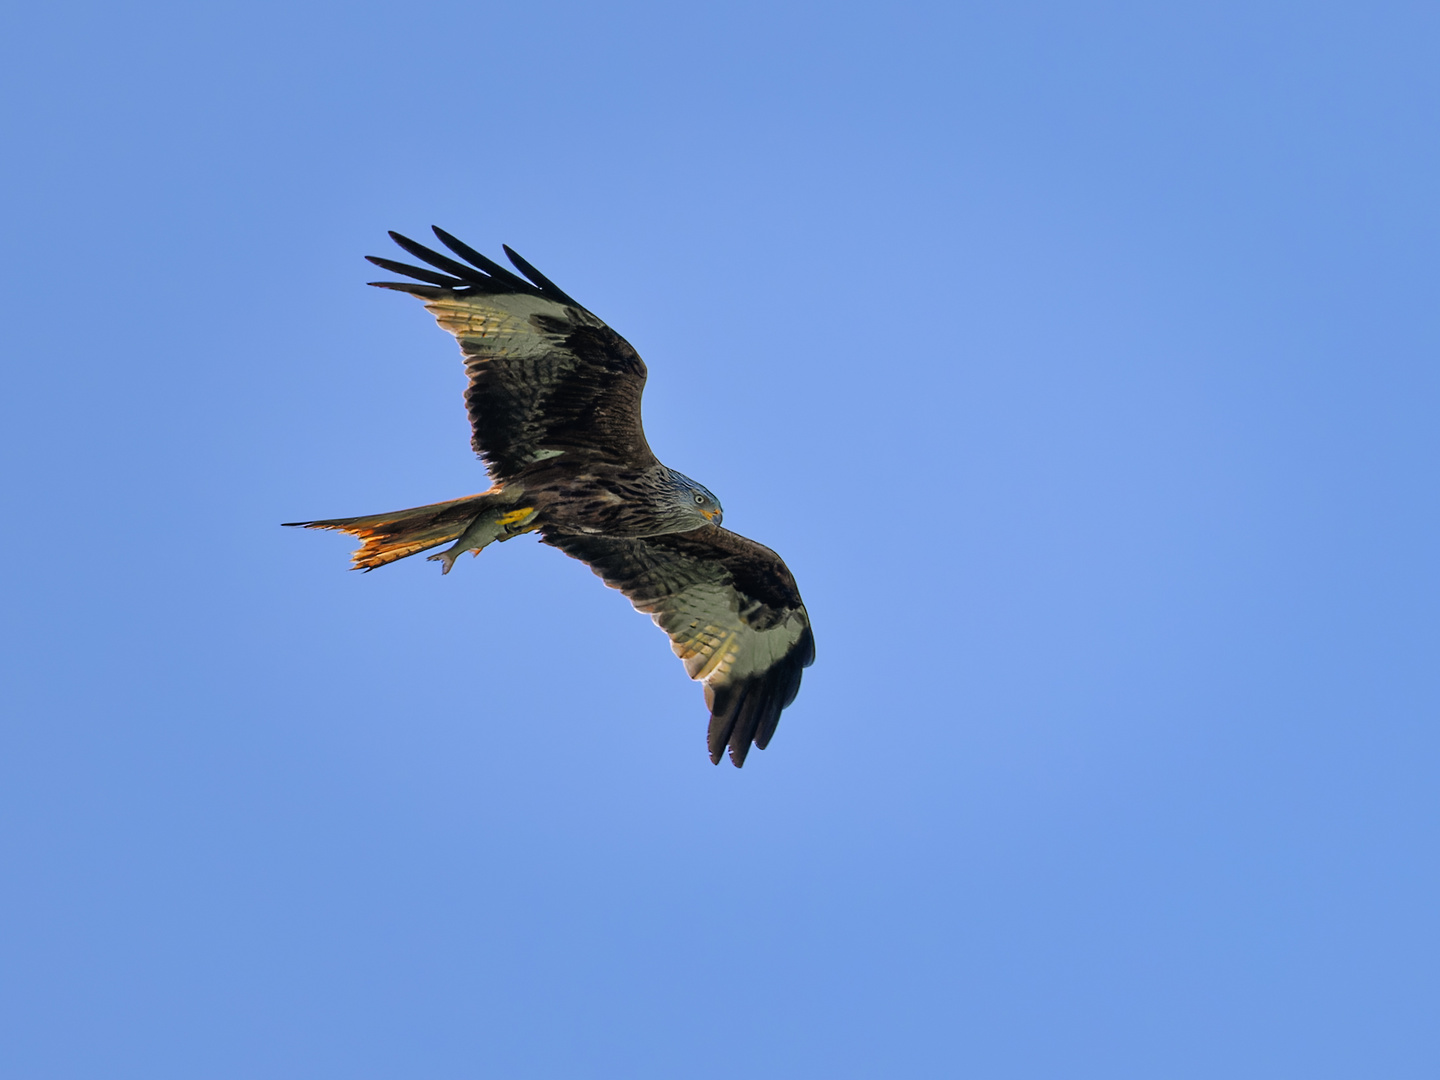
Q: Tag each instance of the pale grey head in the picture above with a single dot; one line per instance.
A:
(691, 505)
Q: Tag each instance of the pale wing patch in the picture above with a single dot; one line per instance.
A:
(714, 642)
(761, 649)
(499, 325)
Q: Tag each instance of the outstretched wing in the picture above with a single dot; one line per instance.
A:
(733, 614)
(548, 379)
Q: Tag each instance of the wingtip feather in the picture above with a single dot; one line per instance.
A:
(419, 273)
(468, 274)
(497, 272)
(425, 292)
(544, 283)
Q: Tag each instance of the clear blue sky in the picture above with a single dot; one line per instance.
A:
(1080, 359)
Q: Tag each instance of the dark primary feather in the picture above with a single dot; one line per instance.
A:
(467, 274)
(489, 265)
(534, 275)
(749, 711)
(485, 275)
(443, 280)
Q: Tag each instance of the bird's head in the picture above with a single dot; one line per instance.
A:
(695, 501)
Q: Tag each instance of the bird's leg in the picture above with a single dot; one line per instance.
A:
(496, 523)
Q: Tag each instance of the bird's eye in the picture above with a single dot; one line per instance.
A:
(699, 500)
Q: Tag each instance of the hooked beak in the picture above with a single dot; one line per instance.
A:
(713, 516)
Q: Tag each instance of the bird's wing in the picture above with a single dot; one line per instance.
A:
(732, 611)
(548, 379)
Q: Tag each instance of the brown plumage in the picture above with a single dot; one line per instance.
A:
(554, 403)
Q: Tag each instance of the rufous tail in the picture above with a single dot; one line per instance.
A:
(387, 537)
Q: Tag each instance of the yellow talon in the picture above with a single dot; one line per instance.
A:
(516, 517)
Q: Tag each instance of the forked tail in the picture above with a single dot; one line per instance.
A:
(387, 537)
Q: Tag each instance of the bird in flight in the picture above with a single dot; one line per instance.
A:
(554, 404)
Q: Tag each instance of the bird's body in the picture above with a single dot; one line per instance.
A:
(554, 403)
(613, 501)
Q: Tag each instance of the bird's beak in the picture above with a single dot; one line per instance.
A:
(712, 516)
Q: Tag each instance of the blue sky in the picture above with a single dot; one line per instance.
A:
(1079, 359)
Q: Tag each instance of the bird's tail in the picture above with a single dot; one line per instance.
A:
(476, 519)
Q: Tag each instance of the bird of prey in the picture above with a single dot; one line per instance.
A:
(554, 403)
